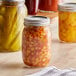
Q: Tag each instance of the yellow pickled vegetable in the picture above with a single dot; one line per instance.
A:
(11, 26)
(67, 26)
(2, 10)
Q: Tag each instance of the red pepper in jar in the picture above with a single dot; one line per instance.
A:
(36, 45)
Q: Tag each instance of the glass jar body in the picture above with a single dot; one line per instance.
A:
(11, 25)
(32, 6)
(48, 5)
(36, 47)
(67, 26)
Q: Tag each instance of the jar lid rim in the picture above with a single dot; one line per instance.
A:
(67, 6)
(36, 20)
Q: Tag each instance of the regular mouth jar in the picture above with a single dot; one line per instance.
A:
(12, 13)
(36, 41)
(48, 5)
(67, 22)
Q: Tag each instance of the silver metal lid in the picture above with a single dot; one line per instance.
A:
(13, 0)
(36, 20)
(67, 7)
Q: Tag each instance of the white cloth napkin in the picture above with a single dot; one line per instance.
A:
(53, 71)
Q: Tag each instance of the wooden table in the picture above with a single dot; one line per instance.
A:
(63, 56)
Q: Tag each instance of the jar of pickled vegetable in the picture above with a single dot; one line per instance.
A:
(67, 22)
(36, 41)
(48, 5)
(12, 13)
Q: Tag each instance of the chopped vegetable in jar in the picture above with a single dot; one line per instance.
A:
(67, 24)
(36, 45)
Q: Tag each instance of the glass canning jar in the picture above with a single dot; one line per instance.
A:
(67, 22)
(36, 41)
(32, 6)
(48, 5)
(12, 13)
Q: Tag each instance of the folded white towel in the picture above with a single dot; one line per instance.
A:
(53, 71)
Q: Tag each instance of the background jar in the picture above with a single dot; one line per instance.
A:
(67, 22)
(48, 5)
(32, 6)
(36, 41)
(12, 13)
